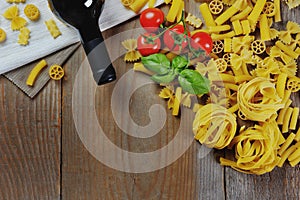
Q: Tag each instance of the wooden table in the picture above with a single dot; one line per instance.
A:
(42, 156)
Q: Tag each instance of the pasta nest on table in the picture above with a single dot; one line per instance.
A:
(258, 99)
(256, 149)
(214, 126)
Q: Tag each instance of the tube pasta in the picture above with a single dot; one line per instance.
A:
(246, 26)
(286, 120)
(277, 16)
(217, 29)
(207, 16)
(280, 84)
(226, 15)
(254, 15)
(214, 126)
(287, 153)
(264, 28)
(297, 137)
(286, 144)
(136, 6)
(237, 27)
(215, 36)
(174, 10)
(294, 118)
(242, 15)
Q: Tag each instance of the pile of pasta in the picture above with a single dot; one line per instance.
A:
(18, 23)
(253, 77)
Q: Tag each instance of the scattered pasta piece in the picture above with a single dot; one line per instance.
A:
(258, 47)
(175, 10)
(216, 7)
(293, 84)
(193, 20)
(35, 72)
(127, 3)
(2, 35)
(177, 100)
(214, 126)
(17, 22)
(139, 67)
(56, 72)
(52, 28)
(136, 6)
(24, 36)
(292, 3)
(32, 12)
(269, 9)
(218, 46)
(207, 15)
(132, 54)
(291, 28)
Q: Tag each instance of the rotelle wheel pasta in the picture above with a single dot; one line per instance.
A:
(214, 126)
(258, 99)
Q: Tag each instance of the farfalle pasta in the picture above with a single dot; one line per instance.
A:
(17, 22)
(132, 54)
(286, 35)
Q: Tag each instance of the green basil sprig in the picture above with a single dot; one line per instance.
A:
(165, 71)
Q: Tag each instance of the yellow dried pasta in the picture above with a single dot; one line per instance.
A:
(256, 149)
(264, 28)
(2, 35)
(226, 15)
(17, 22)
(193, 20)
(257, 9)
(24, 36)
(137, 6)
(242, 15)
(206, 14)
(214, 126)
(127, 3)
(286, 35)
(52, 28)
(294, 118)
(32, 12)
(132, 54)
(216, 7)
(258, 99)
(175, 10)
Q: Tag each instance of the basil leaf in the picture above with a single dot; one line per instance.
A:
(193, 82)
(167, 78)
(179, 62)
(158, 63)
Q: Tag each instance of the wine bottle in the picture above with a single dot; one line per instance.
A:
(84, 15)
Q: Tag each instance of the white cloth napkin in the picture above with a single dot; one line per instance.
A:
(41, 43)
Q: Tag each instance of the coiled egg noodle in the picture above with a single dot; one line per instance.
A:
(256, 149)
(258, 99)
(214, 126)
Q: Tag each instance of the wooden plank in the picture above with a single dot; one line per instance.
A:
(84, 177)
(29, 143)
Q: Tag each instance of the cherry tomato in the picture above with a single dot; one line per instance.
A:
(151, 19)
(202, 40)
(175, 39)
(148, 44)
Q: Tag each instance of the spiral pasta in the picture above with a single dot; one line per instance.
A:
(214, 126)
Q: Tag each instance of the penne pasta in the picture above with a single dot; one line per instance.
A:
(206, 14)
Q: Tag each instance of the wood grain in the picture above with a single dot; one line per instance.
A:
(30, 135)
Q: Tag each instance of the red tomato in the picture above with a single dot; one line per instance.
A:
(148, 44)
(202, 40)
(175, 39)
(151, 19)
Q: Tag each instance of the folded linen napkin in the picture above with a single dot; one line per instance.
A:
(41, 43)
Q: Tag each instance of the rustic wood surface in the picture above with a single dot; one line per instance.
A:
(42, 156)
